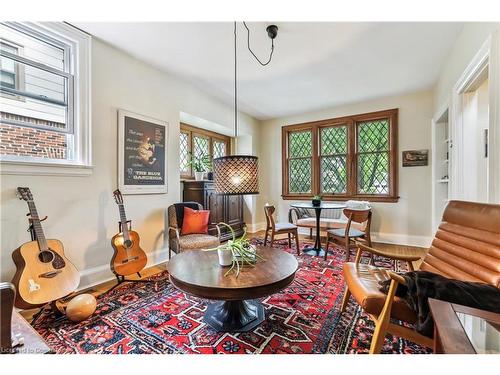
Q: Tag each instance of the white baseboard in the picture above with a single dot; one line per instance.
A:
(100, 274)
(254, 228)
(393, 238)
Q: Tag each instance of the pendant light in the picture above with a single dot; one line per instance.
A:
(239, 174)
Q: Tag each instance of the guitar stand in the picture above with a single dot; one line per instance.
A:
(120, 278)
(31, 229)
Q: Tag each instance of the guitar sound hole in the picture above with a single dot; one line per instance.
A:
(46, 256)
(127, 243)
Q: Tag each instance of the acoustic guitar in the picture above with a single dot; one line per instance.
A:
(43, 273)
(128, 257)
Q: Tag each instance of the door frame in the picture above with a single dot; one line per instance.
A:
(481, 61)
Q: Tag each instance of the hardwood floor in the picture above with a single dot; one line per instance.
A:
(104, 287)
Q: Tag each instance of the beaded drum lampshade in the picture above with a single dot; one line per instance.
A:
(236, 175)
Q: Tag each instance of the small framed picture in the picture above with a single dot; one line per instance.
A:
(415, 158)
(142, 151)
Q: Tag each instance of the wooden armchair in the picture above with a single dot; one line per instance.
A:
(466, 247)
(280, 228)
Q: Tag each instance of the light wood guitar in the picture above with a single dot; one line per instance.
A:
(128, 257)
(43, 273)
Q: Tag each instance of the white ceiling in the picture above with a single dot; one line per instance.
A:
(315, 65)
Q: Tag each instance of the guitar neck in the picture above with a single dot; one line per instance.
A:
(37, 226)
(123, 221)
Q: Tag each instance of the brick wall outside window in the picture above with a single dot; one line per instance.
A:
(23, 141)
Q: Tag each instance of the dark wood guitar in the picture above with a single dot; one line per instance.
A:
(128, 257)
(43, 274)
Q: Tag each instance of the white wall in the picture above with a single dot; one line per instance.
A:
(407, 221)
(81, 210)
(467, 45)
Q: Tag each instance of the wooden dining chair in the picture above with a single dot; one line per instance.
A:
(344, 235)
(280, 228)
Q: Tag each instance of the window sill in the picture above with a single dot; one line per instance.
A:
(32, 168)
(342, 198)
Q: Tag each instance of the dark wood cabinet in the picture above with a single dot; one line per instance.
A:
(225, 208)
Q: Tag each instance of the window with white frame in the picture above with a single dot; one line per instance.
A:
(44, 94)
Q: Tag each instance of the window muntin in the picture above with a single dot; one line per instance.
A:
(352, 157)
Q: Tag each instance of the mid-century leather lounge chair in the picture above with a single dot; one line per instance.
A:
(466, 247)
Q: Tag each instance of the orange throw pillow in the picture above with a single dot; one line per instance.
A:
(195, 221)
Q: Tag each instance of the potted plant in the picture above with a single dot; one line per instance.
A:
(200, 165)
(316, 201)
(236, 253)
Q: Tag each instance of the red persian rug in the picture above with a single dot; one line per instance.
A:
(157, 318)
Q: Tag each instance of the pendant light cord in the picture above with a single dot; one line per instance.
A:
(235, 87)
(254, 55)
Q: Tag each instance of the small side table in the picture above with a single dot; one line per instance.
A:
(464, 330)
(317, 249)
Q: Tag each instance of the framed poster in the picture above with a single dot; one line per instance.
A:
(415, 158)
(142, 150)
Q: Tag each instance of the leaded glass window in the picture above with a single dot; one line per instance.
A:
(333, 141)
(350, 157)
(199, 142)
(184, 153)
(300, 161)
(218, 148)
(373, 157)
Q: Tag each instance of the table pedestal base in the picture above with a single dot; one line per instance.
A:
(234, 316)
(314, 251)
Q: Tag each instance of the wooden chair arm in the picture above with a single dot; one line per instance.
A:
(397, 278)
(387, 254)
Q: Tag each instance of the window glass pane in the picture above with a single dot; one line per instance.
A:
(200, 146)
(7, 79)
(373, 158)
(27, 111)
(300, 144)
(300, 175)
(184, 154)
(41, 143)
(334, 140)
(33, 48)
(373, 135)
(43, 84)
(219, 148)
(373, 173)
(333, 174)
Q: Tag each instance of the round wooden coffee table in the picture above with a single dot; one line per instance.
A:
(198, 273)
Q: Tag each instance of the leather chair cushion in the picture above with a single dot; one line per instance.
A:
(362, 280)
(341, 232)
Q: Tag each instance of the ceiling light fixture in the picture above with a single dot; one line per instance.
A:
(239, 174)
